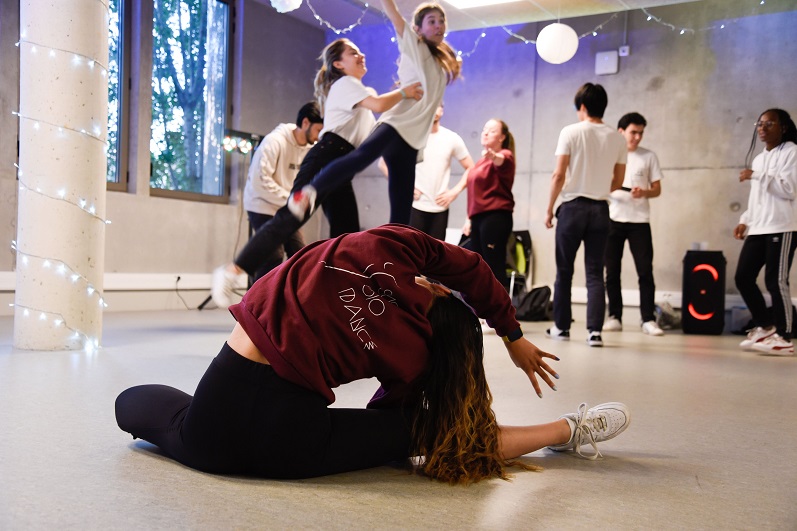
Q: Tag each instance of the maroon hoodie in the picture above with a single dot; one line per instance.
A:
(348, 308)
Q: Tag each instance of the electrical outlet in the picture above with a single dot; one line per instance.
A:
(625, 51)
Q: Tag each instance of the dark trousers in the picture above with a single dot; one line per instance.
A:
(400, 159)
(580, 220)
(640, 242)
(340, 205)
(489, 234)
(244, 419)
(287, 247)
(432, 223)
(775, 253)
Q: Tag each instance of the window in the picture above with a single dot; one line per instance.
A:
(115, 68)
(189, 90)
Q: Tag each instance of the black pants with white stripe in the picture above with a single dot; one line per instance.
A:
(775, 253)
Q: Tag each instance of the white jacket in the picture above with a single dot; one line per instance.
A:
(274, 167)
(773, 189)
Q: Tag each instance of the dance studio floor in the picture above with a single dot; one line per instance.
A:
(712, 442)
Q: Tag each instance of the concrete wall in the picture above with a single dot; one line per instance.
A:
(700, 92)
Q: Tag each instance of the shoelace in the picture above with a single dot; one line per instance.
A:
(583, 428)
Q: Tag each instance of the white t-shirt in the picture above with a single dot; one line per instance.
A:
(433, 174)
(413, 119)
(773, 189)
(641, 170)
(274, 167)
(594, 150)
(342, 117)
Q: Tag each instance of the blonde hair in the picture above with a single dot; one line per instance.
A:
(445, 56)
(329, 73)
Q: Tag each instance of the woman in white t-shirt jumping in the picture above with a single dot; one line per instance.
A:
(402, 131)
(348, 107)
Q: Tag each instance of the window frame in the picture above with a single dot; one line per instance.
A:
(224, 196)
(125, 83)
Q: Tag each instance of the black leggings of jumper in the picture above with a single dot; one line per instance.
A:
(246, 420)
(400, 159)
(776, 252)
(340, 207)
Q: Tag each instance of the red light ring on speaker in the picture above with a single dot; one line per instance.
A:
(706, 267)
(699, 316)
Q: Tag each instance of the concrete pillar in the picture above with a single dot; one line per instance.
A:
(63, 115)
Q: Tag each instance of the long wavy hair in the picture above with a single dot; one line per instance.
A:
(789, 133)
(455, 433)
(328, 73)
(445, 56)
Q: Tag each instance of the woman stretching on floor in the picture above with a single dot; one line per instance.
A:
(350, 308)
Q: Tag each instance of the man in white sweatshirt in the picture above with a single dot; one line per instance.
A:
(272, 172)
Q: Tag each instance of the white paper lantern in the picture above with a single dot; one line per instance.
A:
(557, 43)
(283, 6)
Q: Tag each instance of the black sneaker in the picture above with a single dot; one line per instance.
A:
(555, 333)
(594, 339)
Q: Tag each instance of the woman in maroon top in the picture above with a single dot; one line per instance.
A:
(350, 308)
(490, 201)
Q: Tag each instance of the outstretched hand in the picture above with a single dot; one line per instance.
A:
(530, 359)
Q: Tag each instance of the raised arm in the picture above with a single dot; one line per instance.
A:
(392, 12)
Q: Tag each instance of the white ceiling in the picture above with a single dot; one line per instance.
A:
(342, 13)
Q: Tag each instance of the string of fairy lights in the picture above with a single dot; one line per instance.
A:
(681, 30)
(58, 192)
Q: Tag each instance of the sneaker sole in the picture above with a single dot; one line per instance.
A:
(775, 352)
(557, 338)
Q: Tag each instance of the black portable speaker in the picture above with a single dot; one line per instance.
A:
(703, 303)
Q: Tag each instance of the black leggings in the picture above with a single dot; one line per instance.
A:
(400, 159)
(244, 419)
(489, 236)
(432, 223)
(340, 207)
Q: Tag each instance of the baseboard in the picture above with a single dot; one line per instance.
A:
(136, 291)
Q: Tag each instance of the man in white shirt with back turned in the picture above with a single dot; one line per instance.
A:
(590, 164)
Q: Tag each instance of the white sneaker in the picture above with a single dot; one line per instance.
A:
(755, 335)
(555, 333)
(652, 329)
(774, 345)
(600, 423)
(302, 202)
(222, 285)
(612, 324)
(594, 339)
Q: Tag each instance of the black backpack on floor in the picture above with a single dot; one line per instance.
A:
(534, 305)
